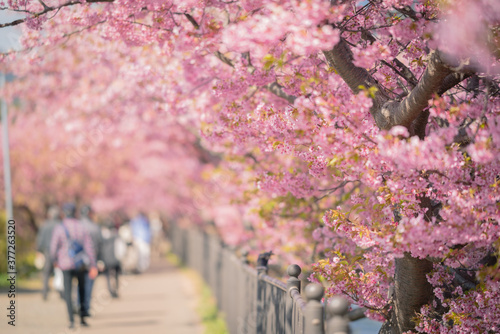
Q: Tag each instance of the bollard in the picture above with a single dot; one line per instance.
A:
(293, 271)
(338, 322)
(314, 313)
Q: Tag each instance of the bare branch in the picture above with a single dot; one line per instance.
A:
(15, 10)
(148, 25)
(223, 58)
(48, 10)
(45, 7)
(277, 90)
(192, 20)
(357, 314)
(468, 285)
(66, 35)
(341, 185)
(363, 30)
(274, 87)
(408, 11)
(405, 72)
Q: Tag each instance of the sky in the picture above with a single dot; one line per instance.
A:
(9, 36)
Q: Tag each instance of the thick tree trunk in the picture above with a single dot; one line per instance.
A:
(411, 291)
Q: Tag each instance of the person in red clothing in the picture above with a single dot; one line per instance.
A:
(59, 251)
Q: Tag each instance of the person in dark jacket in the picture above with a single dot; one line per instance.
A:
(113, 250)
(73, 229)
(43, 245)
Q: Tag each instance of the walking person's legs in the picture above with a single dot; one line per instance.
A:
(115, 271)
(108, 273)
(68, 276)
(110, 279)
(81, 276)
(144, 251)
(89, 285)
(47, 271)
(117, 279)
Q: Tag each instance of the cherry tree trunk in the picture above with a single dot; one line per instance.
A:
(411, 292)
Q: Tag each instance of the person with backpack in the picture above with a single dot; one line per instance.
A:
(71, 249)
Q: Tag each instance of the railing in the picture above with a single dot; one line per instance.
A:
(252, 301)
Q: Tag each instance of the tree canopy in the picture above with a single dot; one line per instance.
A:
(360, 137)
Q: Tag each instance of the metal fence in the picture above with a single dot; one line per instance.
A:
(252, 301)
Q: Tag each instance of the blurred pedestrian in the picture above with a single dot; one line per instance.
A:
(141, 232)
(43, 245)
(113, 251)
(131, 257)
(87, 220)
(66, 239)
(157, 235)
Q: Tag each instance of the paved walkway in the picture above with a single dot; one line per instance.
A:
(162, 300)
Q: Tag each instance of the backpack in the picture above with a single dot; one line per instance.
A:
(77, 253)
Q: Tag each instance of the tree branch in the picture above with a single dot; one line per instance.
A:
(468, 285)
(274, 87)
(405, 72)
(192, 20)
(223, 58)
(388, 113)
(45, 7)
(357, 314)
(451, 80)
(48, 9)
(277, 90)
(438, 77)
(407, 11)
(341, 59)
(405, 112)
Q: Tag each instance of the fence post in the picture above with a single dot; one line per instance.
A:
(292, 283)
(338, 322)
(261, 270)
(261, 267)
(314, 313)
